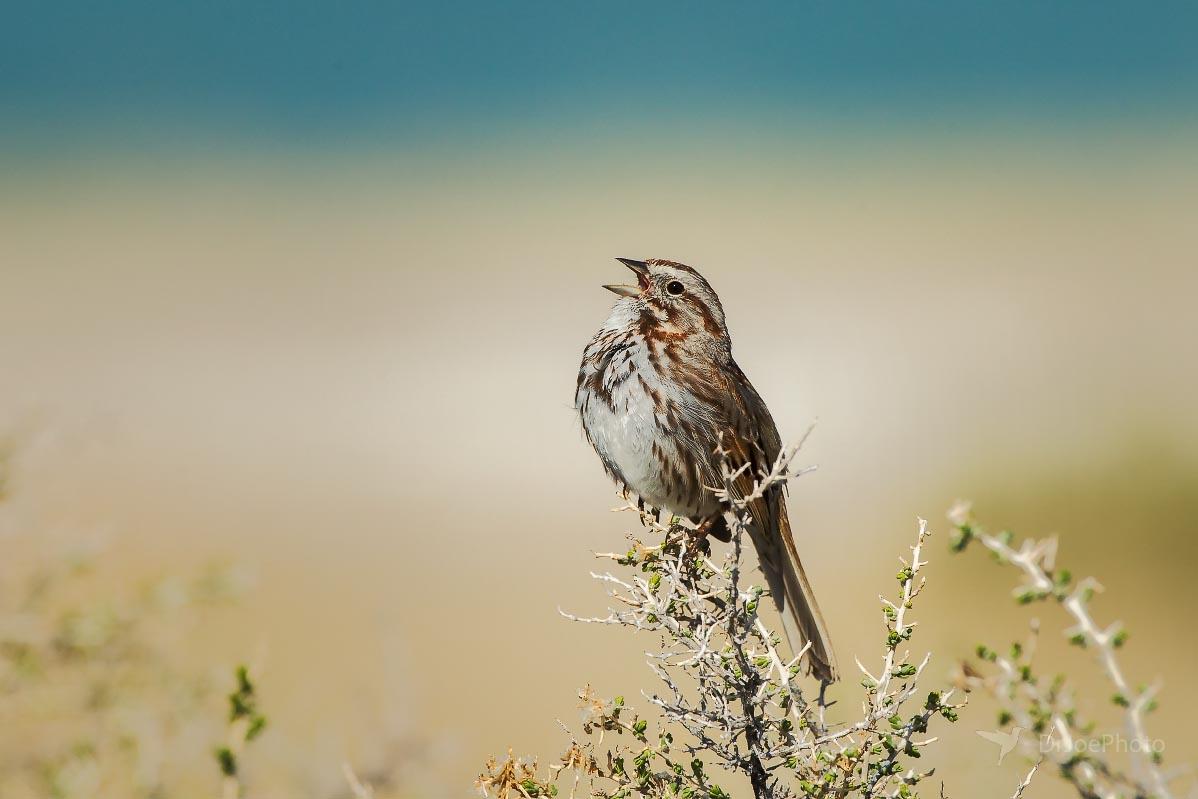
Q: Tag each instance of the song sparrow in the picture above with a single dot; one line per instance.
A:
(657, 391)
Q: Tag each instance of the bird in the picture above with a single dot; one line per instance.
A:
(1006, 741)
(658, 394)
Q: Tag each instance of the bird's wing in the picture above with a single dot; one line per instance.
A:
(728, 412)
(751, 438)
(999, 738)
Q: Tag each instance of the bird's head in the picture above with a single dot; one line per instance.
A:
(674, 296)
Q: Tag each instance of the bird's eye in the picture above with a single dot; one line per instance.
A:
(674, 287)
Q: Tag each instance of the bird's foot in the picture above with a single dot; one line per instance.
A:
(716, 527)
(698, 537)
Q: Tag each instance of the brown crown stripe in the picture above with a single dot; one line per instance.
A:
(675, 265)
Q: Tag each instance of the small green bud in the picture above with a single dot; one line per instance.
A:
(227, 761)
(1026, 597)
(960, 538)
(257, 724)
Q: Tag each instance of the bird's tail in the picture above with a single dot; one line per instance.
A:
(801, 618)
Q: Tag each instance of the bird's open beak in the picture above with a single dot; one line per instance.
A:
(642, 279)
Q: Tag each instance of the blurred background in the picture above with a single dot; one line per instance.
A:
(295, 293)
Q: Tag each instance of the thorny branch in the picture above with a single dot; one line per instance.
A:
(727, 687)
(1048, 709)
